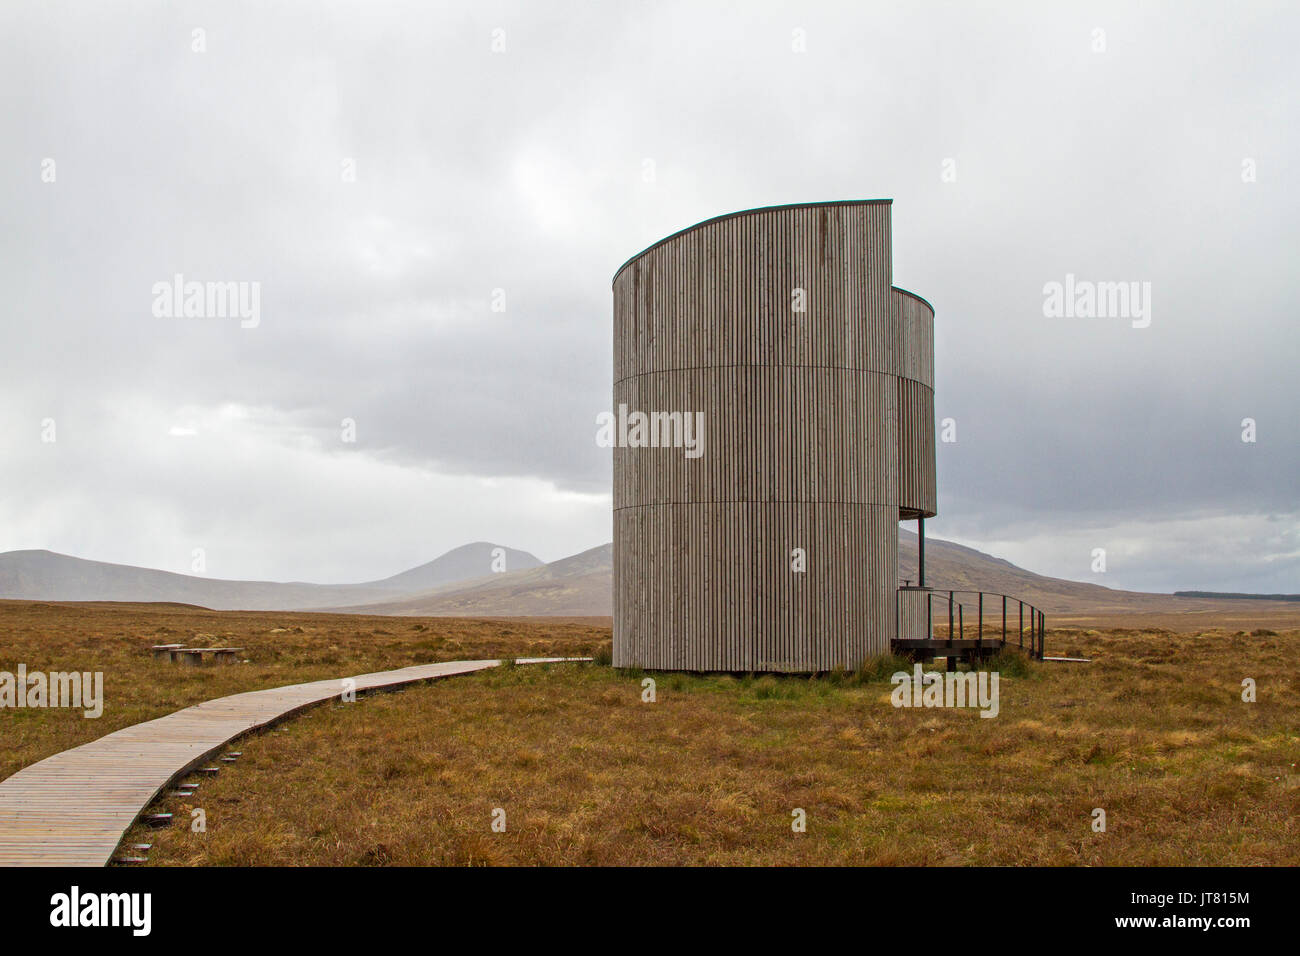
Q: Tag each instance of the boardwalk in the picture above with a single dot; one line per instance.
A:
(73, 808)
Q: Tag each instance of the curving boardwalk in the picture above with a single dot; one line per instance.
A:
(73, 808)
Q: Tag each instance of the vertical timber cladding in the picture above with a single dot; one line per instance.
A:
(818, 434)
(917, 492)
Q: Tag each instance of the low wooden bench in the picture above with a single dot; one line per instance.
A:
(195, 655)
(164, 650)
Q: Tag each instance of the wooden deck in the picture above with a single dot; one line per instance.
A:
(957, 645)
(73, 808)
(959, 649)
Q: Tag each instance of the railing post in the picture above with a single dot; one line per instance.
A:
(1004, 619)
(920, 551)
(961, 621)
(1022, 625)
(979, 634)
(1042, 634)
(950, 619)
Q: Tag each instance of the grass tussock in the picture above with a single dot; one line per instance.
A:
(1010, 664)
(880, 669)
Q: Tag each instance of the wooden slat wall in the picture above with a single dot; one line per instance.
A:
(912, 622)
(802, 441)
(918, 493)
(720, 294)
(727, 600)
(915, 321)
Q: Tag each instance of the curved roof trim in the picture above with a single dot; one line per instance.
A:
(925, 302)
(750, 212)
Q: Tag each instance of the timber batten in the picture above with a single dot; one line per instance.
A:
(818, 435)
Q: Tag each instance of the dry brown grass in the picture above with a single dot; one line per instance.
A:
(1154, 731)
(282, 648)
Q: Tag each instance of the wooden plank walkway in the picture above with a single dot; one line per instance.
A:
(72, 809)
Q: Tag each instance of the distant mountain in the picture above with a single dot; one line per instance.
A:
(582, 586)
(461, 583)
(459, 564)
(576, 586)
(949, 565)
(1238, 595)
(48, 576)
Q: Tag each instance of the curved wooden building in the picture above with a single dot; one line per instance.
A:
(772, 544)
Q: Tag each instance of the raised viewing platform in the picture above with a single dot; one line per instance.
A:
(959, 624)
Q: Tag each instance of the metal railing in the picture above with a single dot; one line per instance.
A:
(914, 604)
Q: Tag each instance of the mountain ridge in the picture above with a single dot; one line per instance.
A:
(461, 583)
(44, 575)
(581, 585)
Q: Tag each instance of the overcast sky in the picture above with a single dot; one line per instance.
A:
(524, 169)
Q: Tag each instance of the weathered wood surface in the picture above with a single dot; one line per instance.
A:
(72, 809)
(815, 377)
(913, 621)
